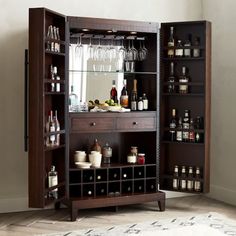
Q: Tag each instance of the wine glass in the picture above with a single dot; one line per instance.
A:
(90, 50)
(122, 51)
(134, 52)
(79, 48)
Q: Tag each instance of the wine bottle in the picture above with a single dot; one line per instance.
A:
(57, 129)
(179, 132)
(183, 184)
(124, 98)
(183, 80)
(176, 178)
(134, 96)
(190, 180)
(145, 102)
(197, 182)
(191, 131)
(73, 101)
(52, 128)
(196, 50)
(179, 51)
(171, 79)
(172, 125)
(53, 181)
(186, 124)
(113, 92)
(171, 43)
(187, 44)
(52, 78)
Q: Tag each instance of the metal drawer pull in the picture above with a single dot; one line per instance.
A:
(135, 123)
(93, 124)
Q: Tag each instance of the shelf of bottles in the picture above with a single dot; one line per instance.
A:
(185, 179)
(113, 180)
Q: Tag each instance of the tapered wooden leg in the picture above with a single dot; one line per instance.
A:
(162, 204)
(73, 213)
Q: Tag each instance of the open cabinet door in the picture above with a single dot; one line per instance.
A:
(185, 77)
(47, 107)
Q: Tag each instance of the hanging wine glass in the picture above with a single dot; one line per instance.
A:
(129, 54)
(90, 50)
(79, 48)
(122, 51)
(134, 52)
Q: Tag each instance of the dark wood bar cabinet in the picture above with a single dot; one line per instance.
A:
(117, 183)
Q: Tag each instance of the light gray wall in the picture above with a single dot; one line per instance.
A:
(223, 155)
(13, 41)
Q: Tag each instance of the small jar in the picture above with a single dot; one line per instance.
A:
(141, 159)
(131, 158)
(134, 150)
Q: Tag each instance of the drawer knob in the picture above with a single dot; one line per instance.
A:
(135, 123)
(93, 124)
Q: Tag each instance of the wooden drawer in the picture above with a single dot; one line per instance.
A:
(91, 124)
(136, 123)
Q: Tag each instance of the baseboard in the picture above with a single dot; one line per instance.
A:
(222, 194)
(14, 205)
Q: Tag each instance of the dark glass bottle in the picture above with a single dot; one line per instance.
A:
(171, 79)
(113, 92)
(179, 51)
(172, 125)
(124, 98)
(171, 43)
(183, 182)
(176, 178)
(134, 97)
(179, 132)
(191, 131)
(186, 124)
(183, 80)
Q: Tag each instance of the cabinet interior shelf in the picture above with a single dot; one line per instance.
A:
(52, 133)
(180, 178)
(182, 191)
(123, 72)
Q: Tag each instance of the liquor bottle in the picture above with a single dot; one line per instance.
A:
(176, 178)
(124, 98)
(96, 146)
(47, 129)
(52, 37)
(113, 92)
(172, 125)
(73, 101)
(183, 183)
(134, 99)
(56, 77)
(55, 36)
(183, 80)
(196, 51)
(179, 51)
(57, 129)
(186, 121)
(171, 43)
(53, 181)
(48, 47)
(179, 132)
(190, 180)
(145, 102)
(140, 104)
(191, 131)
(52, 128)
(52, 77)
(197, 182)
(187, 43)
(57, 44)
(106, 154)
(171, 79)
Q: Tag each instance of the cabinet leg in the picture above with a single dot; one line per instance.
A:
(57, 205)
(162, 204)
(73, 213)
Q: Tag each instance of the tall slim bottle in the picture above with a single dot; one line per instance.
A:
(171, 79)
(113, 92)
(171, 43)
(134, 96)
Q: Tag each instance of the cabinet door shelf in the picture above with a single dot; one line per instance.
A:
(184, 47)
(184, 94)
(55, 53)
(48, 149)
(180, 178)
(176, 129)
(182, 143)
(183, 58)
(46, 134)
(47, 190)
(188, 83)
(54, 40)
(49, 81)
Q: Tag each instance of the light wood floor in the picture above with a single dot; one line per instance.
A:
(49, 221)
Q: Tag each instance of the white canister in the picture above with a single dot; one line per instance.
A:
(80, 156)
(95, 158)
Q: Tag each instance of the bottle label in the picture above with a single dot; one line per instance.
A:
(145, 104)
(179, 136)
(183, 184)
(140, 105)
(190, 185)
(179, 52)
(52, 181)
(172, 125)
(196, 53)
(197, 186)
(187, 52)
(124, 100)
(185, 135)
(175, 184)
(133, 105)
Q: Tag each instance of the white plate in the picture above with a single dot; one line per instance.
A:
(83, 165)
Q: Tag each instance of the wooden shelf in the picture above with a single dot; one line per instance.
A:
(183, 58)
(188, 83)
(182, 143)
(195, 130)
(184, 94)
(55, 53)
